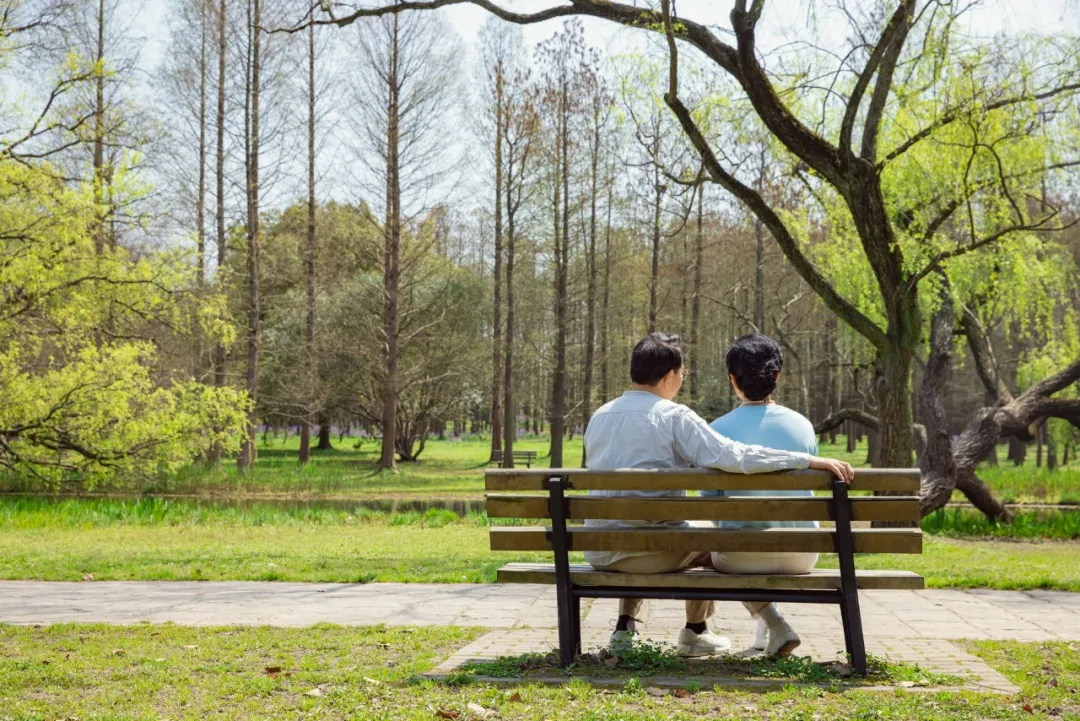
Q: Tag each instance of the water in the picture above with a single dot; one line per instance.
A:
(461, 507)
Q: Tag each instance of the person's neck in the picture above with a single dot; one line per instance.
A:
(767, 400)
(647, 389)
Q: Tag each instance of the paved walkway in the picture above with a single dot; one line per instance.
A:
(916, 626)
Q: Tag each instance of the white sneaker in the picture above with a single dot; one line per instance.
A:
(702, 644)
(761, 637)
(620, 641)
(782, 641)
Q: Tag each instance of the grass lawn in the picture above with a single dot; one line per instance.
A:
(328, 672)
(455, 467)
(442, 552)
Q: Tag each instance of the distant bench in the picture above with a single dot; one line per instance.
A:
(574, 582)
(526, 457)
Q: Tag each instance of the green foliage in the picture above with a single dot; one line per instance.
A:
(961, 522)
(87, 398)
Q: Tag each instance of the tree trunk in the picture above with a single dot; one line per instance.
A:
(562, 253)
(214, 456)
(510, 425)
(892, 379)
(654, 277)
(605, 320)
(695, 312)
(324, 435)
(497, 369)
(99, 134)
(247, 447)
(591, 272)
(309, 325)
(391, 265)
(200, 198)
(1017, 451)
(759, 276)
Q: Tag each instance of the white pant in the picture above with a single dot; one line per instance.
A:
(763, 563)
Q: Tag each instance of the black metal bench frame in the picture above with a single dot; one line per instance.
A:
(569, 595)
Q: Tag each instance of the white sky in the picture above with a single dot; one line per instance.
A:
(784, 20)
(993, 16)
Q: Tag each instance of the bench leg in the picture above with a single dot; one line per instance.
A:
(853, 632)
(575, 616)
(568, 625)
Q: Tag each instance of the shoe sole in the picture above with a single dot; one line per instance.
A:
(787, 649)
(702, 654)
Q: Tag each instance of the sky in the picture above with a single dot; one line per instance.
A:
(784, 17)
(784, 21)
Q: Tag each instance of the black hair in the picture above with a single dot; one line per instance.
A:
(655, 355)
(755, 360)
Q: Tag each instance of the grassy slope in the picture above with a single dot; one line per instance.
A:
(151, 672)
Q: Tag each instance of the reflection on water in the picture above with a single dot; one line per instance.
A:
(460, 506)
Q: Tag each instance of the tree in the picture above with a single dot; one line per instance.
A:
(598, 111)
(407, 82)
(563, 58)
(89, 399)
(318, 85)
(920, 86)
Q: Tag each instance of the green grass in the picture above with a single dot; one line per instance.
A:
(1031, 524)
(329, 672)
(455, 468)
(26, 512)
(645, 659)
(278, 545)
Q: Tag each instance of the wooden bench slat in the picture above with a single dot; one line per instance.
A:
(662, 540)
(870, 479)
(585, 575)
(746, 508)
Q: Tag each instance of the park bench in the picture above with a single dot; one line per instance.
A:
(526, 457)
(561, 504)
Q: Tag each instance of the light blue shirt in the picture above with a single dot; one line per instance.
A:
(640, 429)
(772, 426)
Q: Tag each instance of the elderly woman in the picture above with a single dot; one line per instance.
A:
(754, 363)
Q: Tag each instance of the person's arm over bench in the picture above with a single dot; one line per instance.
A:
(703, 447)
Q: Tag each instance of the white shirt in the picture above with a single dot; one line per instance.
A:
(640, 429)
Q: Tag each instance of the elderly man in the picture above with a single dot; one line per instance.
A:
(645, 428)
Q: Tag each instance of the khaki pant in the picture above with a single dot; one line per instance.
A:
(763, 563)
(696, 611)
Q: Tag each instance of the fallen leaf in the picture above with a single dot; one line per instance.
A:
(88, 577)
(314, 693)
(749, 709)
(447, 714)
(681, 693)
(906, 684)
(191, 646)
(118, 652)
(655, 691)
(372, 681)
(1027, 707)
(46, 662)
(841, 669)
(159, 660)
(67, 656)
(515, 698)
(272, 670)
(611, 662)
(1052, 683)
(477, 709)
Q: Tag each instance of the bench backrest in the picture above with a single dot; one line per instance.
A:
(560, 504)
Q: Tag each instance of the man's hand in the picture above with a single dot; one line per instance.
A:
(840, 469)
